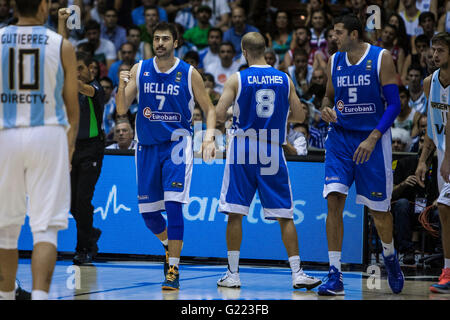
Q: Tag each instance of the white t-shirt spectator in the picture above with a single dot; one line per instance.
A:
(106, 48)
(221, 74)
(219, 8)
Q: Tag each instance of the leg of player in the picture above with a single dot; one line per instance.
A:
(234, 238)
(384, 225)
(290, 240)
(8, 270)
(175, 232)
(156, 224)
(443, 286)
(335, 233)
(43, 262)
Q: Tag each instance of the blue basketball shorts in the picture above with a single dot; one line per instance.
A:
(163, 173)
(373, 179)
(246, 171)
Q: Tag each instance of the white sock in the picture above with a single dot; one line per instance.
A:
(174, 261)
(233, 261)
(165, 242)
(388, 248)
(446, 263)
(335, 259)
(294, 262)
(39, 295)
(11, 295)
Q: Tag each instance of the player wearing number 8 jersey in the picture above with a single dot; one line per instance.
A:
(262, 96)
(361, 103)
(39, 117)
(166, 88)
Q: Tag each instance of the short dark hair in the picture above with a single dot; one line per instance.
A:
(166, 26)
(228, 43)
(308, 31)
(422, 39)
(443, 38)
(404, 90)
(127, 43)
(192, 55)
(85, 47)
(85, 57)
(107, 79)
(204, 8)
(112, 9)
(133, 27)
(92, 25)
(151, 8)
(28, 8)
(416, 67)
(214, 29)
(300, 52)
(351, 23)
(426, 14)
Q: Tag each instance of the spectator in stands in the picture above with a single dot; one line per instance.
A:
(418, 99)
(318, 25)
(401, 140)
(183, 46)
(128, 57)
(402, 39)
(220, 15)
(5, 13)
(210, 54)
(444, 20)
(416, 57)
(301, 71)
(296, 142)
(143, 49)
(209, 86)
(123, 134)
(151, 15)
(110, 107)
(198, 35)
(138, 14)
(271, 58)
(94, 69)
(407, 116)
(314, 5)
(301, 39)
(427, 22)
(429, 62)
(111, 31)
(187, 16)
(316, 88)
(52, 21)
(238, 29)
(419, 130)
(322, 55)
(411, 18)
(409, 200)
(387, 41)
(98, 11)
(192, 58)
(104, 50)
(280, 35)
(223, 69)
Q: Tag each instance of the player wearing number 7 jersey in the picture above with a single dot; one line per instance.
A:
(166, 89)
(261, 96)
(361, 103)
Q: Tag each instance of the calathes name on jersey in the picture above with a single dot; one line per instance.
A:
(348, 81)
(161, 88)
(265, 79)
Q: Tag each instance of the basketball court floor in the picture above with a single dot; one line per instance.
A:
(141, 280)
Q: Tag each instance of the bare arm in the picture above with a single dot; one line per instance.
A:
(127, 91)
(227, 98)
(296, 111)
(70, 94)
(328, 114)
(86, 89)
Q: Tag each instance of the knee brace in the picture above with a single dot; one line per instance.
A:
(50, 235)
(9, 237)
(175, 223)
(154, 221)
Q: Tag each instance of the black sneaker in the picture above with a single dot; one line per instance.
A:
(95, 235)
(22, 294)
(82, 258)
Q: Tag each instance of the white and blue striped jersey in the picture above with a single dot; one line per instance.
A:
(438, 105)
(32, 78)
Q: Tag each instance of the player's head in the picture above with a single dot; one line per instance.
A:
(440, 43)
(84, 60)
(348, 31)
(253, 46)
(33, 8)
(165, 39)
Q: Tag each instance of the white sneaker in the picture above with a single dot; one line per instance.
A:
(230, 280)
(302, 280)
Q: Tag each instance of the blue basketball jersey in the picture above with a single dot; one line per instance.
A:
(32, 77)
(262, 104)
(166, 102)
(358, 97)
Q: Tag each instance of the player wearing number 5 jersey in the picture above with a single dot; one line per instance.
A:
(437, 89)
(361, 103)
(261, 96)
(166, 88)
(39, 117)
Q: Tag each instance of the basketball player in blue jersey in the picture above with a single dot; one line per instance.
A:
(166, 88)
(437, 89)
(361, 103)
(39, 102)
(261, 96)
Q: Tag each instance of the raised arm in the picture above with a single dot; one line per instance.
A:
(70, 93)
(127, 90)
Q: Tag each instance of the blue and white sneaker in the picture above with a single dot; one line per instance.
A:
(396, 279)
(334, 285)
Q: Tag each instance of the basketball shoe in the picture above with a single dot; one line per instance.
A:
(443, 286)
(172, 281)
(334, 285)
(230, 280)
(395, 274)
(301, 280)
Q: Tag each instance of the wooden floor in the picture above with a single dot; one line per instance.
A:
(138, 280)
